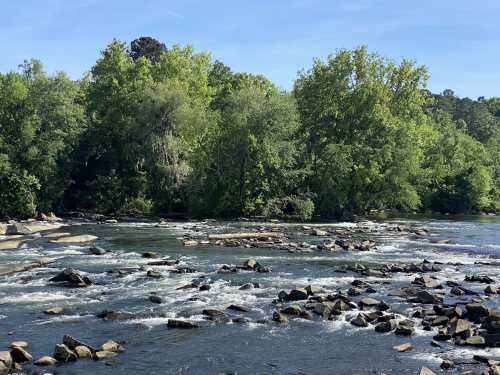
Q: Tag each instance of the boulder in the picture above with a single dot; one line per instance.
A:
(45, 361)
(460, 327)
(318, 232)
(56, 310)
(297, 294)
(447, 364)
(97, 250)
(404, 328)
(238, 308)
(182, 324)
(490, 289)
(156, 299)
(426, 371)
(403, 348)
(112, 346)
(19, 344)
(19, 355)
(476, 312)
(72, 277)
(154, 274)
(251, 264)
(427, 282)
(83, 352)
(324, 309)
(475, 341)
(189, 243)
(313, 290)
(359, 321)
(149, 255)
(369, 302)
(386, 326)
(292, 310)
(64, 354)
(72, 343)
(428, 298)
(6, 359)
(213, 312)
(279, 317)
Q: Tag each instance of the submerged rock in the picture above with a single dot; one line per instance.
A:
(183, 324)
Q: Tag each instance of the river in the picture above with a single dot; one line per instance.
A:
(251, 347)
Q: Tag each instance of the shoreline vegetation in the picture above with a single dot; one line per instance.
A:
(157, 130)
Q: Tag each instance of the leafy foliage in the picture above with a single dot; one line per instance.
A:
(167, 130)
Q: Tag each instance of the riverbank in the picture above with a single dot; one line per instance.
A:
(316, 297)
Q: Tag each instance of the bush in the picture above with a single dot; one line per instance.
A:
(138, 205)
(299, 207)
(18, 194)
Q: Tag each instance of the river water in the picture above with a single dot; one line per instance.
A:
(300, 347)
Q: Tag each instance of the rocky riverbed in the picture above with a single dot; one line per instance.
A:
(406, 296)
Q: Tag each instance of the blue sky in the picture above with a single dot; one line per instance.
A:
(458, 40)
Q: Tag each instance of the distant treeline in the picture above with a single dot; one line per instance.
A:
(152, 129)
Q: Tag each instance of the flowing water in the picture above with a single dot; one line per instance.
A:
(300, 347)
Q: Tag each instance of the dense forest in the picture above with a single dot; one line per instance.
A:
(166, 130)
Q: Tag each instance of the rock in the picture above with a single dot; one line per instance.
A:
(72, 343)
(292, 310)
(149, 255)
(403, 348)
(4, 369)
(111, 346)
(19, 344)
(475, 341)
(428, 298)
(156, 299)
(6, 359)
(447, 364)
(359, 321)
(460, 327)
(369, 302)
(479, 279)
(205, 287)
(83, 352)
(386, 326)
(250, 264)
(183, 324)
(75, 239)
(492, 323)
(297, 294)
(189, 243)
(279, 317)
(237, 308)
(64, 354)
(404, 328)
(426, 371)
(45, 361)
(324, 309)
(306, 315)
(71, 277)
(313, 290)
(10, 244)
(246, 286)
(96, 250)
(100, 355)
(490, 289)
(154, 274)
(19, 355)
(318, 232)
(476, 311)
(56, 310)
(213, 312)
(354, 291)
(427, 282)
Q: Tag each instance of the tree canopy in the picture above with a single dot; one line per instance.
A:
(169, 131)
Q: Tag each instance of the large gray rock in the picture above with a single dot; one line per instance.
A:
(71, 277)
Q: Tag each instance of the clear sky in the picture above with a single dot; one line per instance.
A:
(458, 40)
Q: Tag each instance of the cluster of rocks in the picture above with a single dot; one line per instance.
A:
(248, 265)
(70, 350)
